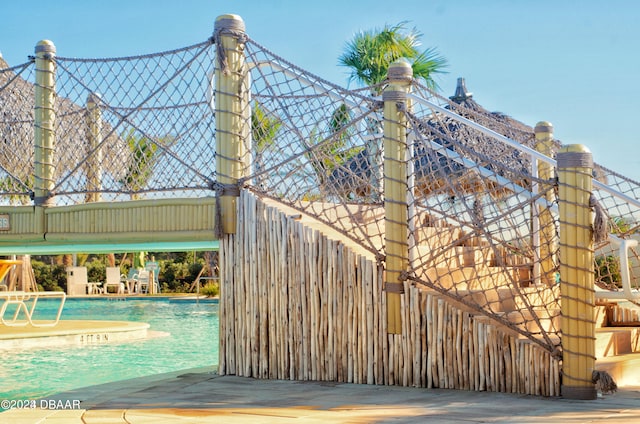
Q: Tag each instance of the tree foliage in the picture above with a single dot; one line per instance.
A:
(141, 162)
(14, 188)
(264, 132)
(264, 128)
(370, 53)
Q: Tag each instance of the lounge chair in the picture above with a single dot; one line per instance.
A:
(143, 278)
(19, 300)
(154, 271)
(114, 280)
(130, 280)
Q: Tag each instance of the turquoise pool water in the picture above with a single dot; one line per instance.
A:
(192, 342)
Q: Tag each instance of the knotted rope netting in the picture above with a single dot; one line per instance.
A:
(144, 127)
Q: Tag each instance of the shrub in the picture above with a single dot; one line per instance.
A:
(210, 289)
(49, 277)
(173, 274)
(177, 270)
(96, 271)
(194, 270)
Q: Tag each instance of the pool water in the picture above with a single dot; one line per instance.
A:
(192, 342)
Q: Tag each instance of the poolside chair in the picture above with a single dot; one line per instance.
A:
(130, 280)
(154, 269)
(114, 280)
(143, 278)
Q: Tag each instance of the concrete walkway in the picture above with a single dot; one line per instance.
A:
(201, 396)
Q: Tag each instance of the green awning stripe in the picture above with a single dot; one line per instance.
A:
(59, 249)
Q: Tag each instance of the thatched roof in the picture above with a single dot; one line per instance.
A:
(17, 103)
(434, 171)
(500, 158)
(432, 168)
(464, 105)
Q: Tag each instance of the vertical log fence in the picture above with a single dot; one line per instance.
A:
(299, 304)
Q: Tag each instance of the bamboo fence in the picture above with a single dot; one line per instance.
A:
(298, 304)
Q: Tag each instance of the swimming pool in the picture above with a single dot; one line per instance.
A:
(192, 342)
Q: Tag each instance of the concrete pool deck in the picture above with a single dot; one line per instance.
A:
(201, 396)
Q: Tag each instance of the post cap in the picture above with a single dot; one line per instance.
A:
(229, 22)
(543, 131)
(45, 46)
(574, 156)
(400, 70)
(544, 126)
(574, 148)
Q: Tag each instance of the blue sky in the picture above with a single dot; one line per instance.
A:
(574, 63)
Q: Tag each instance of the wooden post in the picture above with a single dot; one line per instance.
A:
(575, 167)
(93, 166)
(231, 109)
(548, 242)
(44, 131)
(395, 189)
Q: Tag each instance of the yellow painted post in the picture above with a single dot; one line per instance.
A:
(575, 167)
(93, 166)
(396, 189)
(44, 130)
(548, 239)
(231, 106)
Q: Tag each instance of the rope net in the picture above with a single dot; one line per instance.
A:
(619, 198)
(484, 232)
(16, 133)
(318, 149)
(151, 128)
(125, 128)
(315, 147)
(482, 226)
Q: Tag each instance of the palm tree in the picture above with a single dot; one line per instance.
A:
(264, 132)
(370, 53)
(141, 163)
(332, 157)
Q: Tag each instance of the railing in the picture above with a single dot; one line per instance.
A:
(627, 291)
